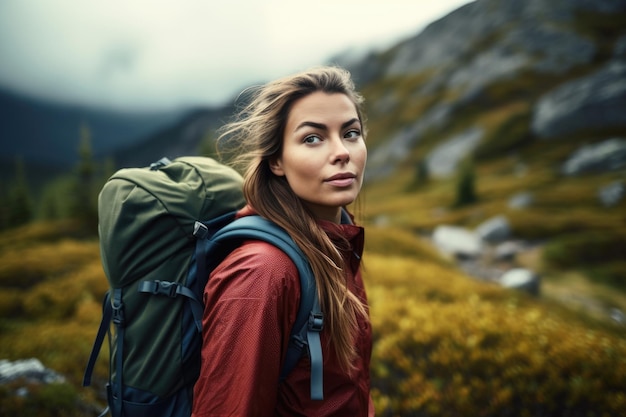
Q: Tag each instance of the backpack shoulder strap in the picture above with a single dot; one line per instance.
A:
(309, 321)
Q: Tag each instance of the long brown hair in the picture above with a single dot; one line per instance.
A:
(259, 130)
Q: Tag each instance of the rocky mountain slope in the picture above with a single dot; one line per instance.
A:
(532, 95)
(560, 67)
(556, 67)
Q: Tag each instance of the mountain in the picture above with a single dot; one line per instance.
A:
(47, 133)
(183, 136)
(491, 78)
(494, 76)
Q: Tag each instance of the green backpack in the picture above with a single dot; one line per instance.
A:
(162, 230)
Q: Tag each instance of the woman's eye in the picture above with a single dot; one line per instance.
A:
(352, 134)
(312, 139)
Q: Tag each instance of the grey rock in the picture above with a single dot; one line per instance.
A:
(591, 102)
(382, 160)
(607, 155)
(495, 229)
(486, 68)
(611, 194)
(457, 241)
(550, 48)
(444, 159)
(522, 279)
(31, 369)
(521, 200)
(618, 315)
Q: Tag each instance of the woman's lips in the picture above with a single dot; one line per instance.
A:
(341, 180)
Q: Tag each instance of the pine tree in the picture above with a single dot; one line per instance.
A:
(466, 187)
(19, 208)
(83, 200)
(421, 175)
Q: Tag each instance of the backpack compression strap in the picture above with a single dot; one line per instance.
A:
(309, 321)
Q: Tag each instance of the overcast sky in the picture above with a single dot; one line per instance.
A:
(157, 54)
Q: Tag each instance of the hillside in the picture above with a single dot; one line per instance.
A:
(442, 342)
(513, 73)
(526, 101)
(527, 97)
(182, 137)
(530, 98)
(47, 133)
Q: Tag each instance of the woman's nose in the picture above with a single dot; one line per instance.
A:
(340, 152)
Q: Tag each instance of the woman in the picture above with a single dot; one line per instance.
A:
(305, 147)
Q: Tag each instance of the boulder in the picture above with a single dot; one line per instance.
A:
(30, 369)
(457, 241)
(611, 194)
(495, 229)
(592, 102)
(443, 160)
(382, 160)
(521, 279)
(607, 155)
(521, 200)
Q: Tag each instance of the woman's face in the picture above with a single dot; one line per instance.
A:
(324, 153)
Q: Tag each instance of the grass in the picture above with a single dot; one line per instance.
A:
(564, 216)
(443, 342)
(447, 345)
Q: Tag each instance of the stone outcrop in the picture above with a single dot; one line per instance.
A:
(596, 101)
(612, 194)
(604, 156)
(457, 241)
(521, 279)
(32, 370)
(444, 159)
(490, 43)
(495, 229)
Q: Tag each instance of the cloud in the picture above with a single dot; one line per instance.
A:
(133, 54)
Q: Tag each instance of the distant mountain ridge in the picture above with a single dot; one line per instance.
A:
(431, 96)
(48, 133)
(182, 137)
(436, 90)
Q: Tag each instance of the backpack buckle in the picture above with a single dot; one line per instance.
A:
(200, 230)
(155, 166)
(157, 287)
(165, 288)
(118, 316)
(316, 321)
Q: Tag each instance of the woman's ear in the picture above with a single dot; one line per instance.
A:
(277, 167)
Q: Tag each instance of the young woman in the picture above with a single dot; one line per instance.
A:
(306, 154)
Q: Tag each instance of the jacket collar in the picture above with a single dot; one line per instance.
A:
(347, 231)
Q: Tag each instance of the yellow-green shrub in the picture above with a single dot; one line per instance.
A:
(401, 243)
(10, 302)
(24, 267)
(445, 345)
(590, 248)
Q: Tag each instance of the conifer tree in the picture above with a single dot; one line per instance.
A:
(49, 206)
(421, 175)
(83, 200)
(465, 186)
(4, 208)
(19, 202)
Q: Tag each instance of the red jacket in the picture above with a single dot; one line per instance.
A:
(252, 301)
